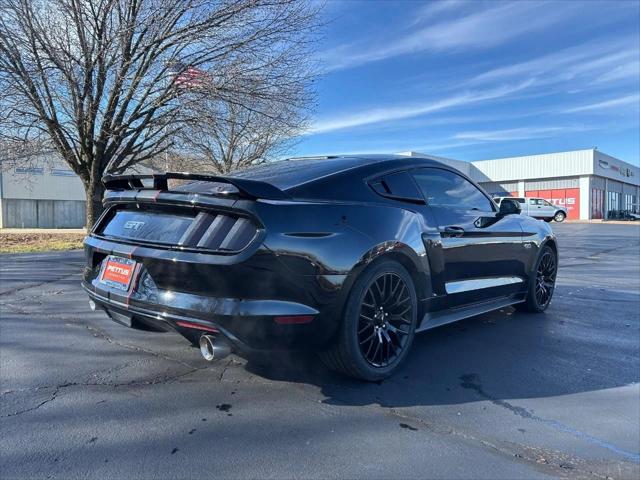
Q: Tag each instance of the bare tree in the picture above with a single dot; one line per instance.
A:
(226, 136)
(23, 153)
(104, 80)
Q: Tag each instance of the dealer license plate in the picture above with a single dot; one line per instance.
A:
(117, 272)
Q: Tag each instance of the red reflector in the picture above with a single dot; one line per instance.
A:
(197, 326)
(293, 319)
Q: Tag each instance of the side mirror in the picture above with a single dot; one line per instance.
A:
(509, 206)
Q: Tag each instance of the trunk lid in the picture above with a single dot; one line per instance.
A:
(199, 216)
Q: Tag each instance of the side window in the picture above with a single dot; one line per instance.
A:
(520, 200)
(445, 188)
(533, 201)
(399, 186)
(546, 203)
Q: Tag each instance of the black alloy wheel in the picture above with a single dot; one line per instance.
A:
(546, 277)
(542, 283)
(379, 323)
(384, 324)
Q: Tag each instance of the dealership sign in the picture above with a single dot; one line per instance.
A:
(563, 202)
(622, 171)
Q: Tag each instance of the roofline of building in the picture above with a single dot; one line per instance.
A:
(586, 162)
(540, 154)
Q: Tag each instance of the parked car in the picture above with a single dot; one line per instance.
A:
(628, 215)
(538, 208)
(346, 256)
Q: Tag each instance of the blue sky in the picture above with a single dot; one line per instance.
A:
(478, 79)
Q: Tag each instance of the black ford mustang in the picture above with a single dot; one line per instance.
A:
(348, 256)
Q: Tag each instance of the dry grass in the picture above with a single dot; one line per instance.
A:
(30, 241)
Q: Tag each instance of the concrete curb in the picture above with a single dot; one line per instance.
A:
(606, 222)
(43, 230)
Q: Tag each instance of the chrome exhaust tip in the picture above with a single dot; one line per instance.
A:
(213, 349)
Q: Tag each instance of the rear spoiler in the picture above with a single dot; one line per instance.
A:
(247, 188)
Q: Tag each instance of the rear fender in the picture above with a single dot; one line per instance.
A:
(335, 242)
(313, 238)
(333, 239)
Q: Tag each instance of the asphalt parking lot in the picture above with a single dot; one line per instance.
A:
(502, 395)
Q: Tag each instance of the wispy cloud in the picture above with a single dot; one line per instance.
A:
(431, 10)
(590, 58)
(377, 115)
(398, 146)
(522, 133)
(480, 29)
(630, 69)
(439, 147)
(604, 105)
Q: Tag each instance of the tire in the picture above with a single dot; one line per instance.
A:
(539, 294)
(559, 217)
(381, 314)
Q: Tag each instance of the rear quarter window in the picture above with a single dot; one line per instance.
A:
(399, 185)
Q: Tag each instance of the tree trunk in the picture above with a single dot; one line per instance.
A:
(95, 191)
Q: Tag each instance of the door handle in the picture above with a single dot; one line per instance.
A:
(453, 231)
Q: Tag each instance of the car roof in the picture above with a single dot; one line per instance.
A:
(292, 172)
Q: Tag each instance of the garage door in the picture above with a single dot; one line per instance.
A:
(564, 197)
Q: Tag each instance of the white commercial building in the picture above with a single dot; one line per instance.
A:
(48, 195)
(591, 184)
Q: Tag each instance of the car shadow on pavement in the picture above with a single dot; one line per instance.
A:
(500, 355)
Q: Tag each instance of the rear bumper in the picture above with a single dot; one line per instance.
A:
(243, 302)
(248, 325)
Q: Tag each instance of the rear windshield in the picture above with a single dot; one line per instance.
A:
(286, 174)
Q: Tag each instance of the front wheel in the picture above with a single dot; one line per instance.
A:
(559, 217)
(542, 283)
(378, 326)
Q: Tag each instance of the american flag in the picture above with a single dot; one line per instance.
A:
(187, 76)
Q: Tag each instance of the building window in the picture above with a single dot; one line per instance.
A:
(629, 201)
(62, 172)
(29, 170)
(597, 203)
(613, 204)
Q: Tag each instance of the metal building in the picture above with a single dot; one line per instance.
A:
(49, 195)
(591, 184)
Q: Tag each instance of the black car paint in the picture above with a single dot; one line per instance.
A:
(311, 243)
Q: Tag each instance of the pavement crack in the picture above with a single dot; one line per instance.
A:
(224, 369)
(163, 379)
(559, 463)
(472, 381)
(100, 334)
(31, 409)
(34, 285)
(596, 255)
